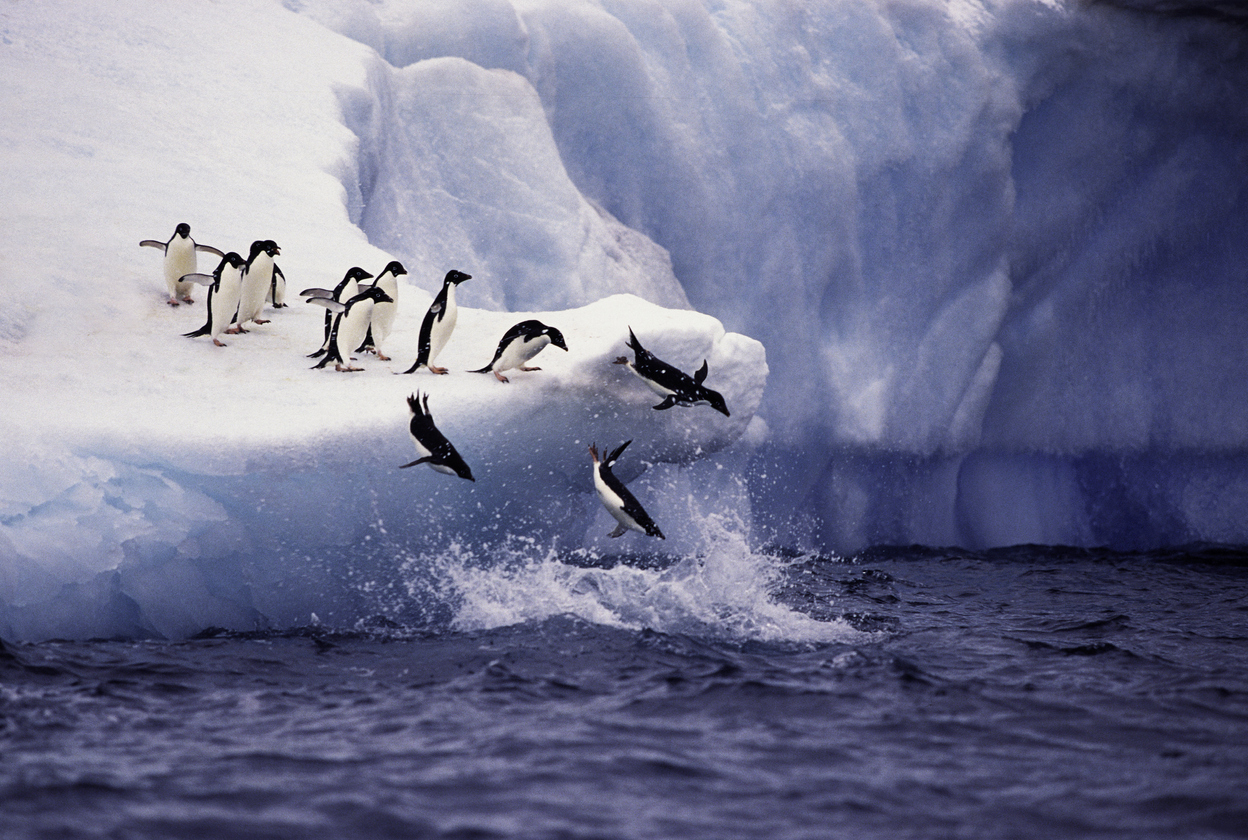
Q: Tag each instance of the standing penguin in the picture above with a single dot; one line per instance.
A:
(277, 289)
(519, 344)
(674, 386)
(383, 313)
(257, 280)
(180, 261)
(223, 288)
(347, 288)
(439, 322)
(431, 445)
(615, 497)
(350, 325)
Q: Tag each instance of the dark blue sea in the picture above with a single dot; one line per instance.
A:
(903, 693)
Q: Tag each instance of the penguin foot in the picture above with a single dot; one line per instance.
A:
(438, 370)
(259, 321)
(189, 299)
(382, 356)
(173, 302)
(522, 367)
(219, 342)
(347, 369)
(620, 360)
(500, 377)
(235, 331)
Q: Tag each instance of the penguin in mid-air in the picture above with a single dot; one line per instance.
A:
(223, 288)
(519, 344)
(615, 497)
(347, 288)
(439, 322)
(674, 386)
(383, 313)
(180, 261)
(432, 446)
(257, 280)
(350, 325)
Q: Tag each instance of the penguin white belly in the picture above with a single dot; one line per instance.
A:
(225, 300)
(515, 355)
(654, 386)
(180, 260)
(614, 504)
(353, 328)
(442, 329)
(256, 284)
(383, 320)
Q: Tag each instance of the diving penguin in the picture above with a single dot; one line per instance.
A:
(519, 344)
(674, 386)
(180, 252)
(432, 446)
(223, 287)
(347, 288)
(617, 500)
(350, 325)
(257, 280)
(439, 322)
(383, 313)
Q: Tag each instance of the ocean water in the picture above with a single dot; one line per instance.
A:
(904, 693)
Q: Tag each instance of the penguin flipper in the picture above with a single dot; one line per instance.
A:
(204, 330)
(701, 374)
(317, 292)
(208, 249)
(329, 303)
(414, 463)
(201, 279)
(668, 402)
(152, 243)
(618, 532)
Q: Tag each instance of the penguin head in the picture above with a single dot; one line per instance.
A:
(256, 248)
(456, 277)
(270, 248)
(394, 267)
(231, 259)
(357, 274)
(716, 401)
(183, 230)
(556, 337)
(377, 294)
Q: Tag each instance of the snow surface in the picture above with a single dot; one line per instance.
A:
(993, 250)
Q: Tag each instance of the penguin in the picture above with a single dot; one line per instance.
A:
(347, 288)
(434, 449)
(257, 280)
(383, 313)
(674, 386)
(439, 322)
(223, 288)
(519, 344)
(180, 252)
(617, 500)
(350, 325)
(276, 294)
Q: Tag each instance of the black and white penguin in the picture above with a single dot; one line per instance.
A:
(180, 252)
(519, 344)
(617, 500)
(432, 446)
(257, 280)
(347, 288)
(439, 322)
(223, 288)
(350, 325)
(383, 313)
(674, 386)
(277, 289)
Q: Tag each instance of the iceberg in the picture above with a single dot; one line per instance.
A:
(967, 273)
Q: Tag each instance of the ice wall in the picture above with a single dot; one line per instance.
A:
(995, 249)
